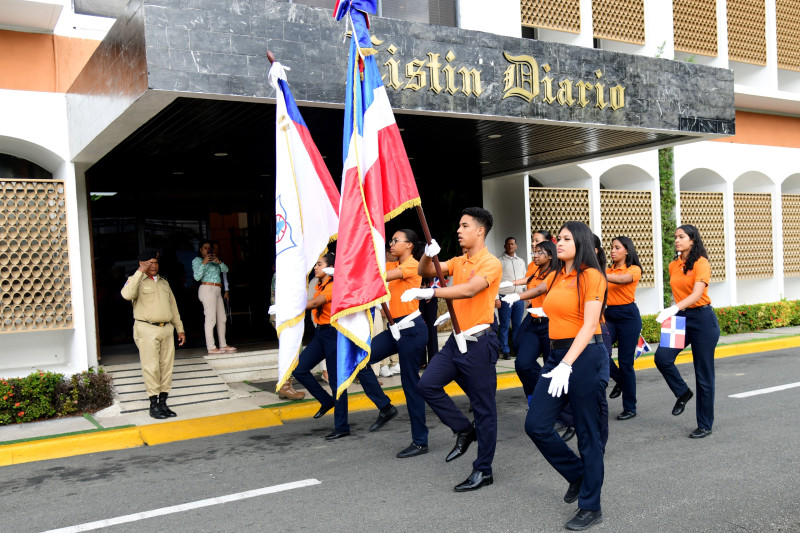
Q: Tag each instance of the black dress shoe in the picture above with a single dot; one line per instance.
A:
(584, 519)
(337, 435)
(412, 451)
(385, 414)
(626, 415)
(322, 410)
(476, 480)
(573, 491)
(616, 391)
(680, 405)
(699, 433)
(463, 440)
(568, 434)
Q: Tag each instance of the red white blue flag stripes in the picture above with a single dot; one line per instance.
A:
(377, 184)
(673, 332)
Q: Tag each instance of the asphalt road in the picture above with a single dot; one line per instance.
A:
(744, 477)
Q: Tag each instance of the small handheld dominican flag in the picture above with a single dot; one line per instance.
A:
(673, 332)
(642, 347)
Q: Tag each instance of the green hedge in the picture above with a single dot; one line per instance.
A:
(740, 318)
(42, 395)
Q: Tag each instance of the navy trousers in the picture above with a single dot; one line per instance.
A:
(411, 349)
(474, 372)
(509, 316)
(566, 418)
(430, 310)
(624, 326)
(587, 389)
(323, 346)
(702, 333)
(532, 340)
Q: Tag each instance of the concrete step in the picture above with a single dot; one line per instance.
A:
(173, 402)
(176, 384)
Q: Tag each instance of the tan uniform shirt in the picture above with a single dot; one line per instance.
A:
(153, 301)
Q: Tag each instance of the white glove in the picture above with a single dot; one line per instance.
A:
(461, 342)
(442, 319)
(395, 331)
(271, 310)
(559, 381)
(432, 249)
(506, 284)
(511, 299)
(417, 294)
(666, 313)
(537, 311)
(328, 270)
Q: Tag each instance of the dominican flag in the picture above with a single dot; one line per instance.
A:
(673, 332)
(306, 219)
(642, 347)
(377, 184)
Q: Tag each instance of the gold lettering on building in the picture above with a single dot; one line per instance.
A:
(433, 69)
(617, 94)
(564, 95)
(583, 86)
(521, 79)
(547, 83)
(392, 70)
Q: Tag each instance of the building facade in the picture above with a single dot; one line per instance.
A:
(149, 125)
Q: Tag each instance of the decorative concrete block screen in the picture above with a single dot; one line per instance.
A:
(695, 26)
(791, 234)
(563, 15)
(550, 208)
(788, 18)
(630, 213)
(619, 20)
(747, 35)
(706, 212)
(752, 215)
(34, 257)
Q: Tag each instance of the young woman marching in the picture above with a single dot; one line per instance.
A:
(402, 275)
(623, 320)
(576, 373)
(323, 347)
(689, 277)
(534, 337)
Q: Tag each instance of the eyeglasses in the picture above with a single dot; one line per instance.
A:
(539, 253)
(395, 241)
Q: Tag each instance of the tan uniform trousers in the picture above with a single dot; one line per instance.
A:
(214, 308)
(157, 355)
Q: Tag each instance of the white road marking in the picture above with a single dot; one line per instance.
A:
(764, 391)
(185, 506)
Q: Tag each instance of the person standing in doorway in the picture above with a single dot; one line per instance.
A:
(510, 315)
(689, 277)
(476, 279)
(207, 269)
(156, 319)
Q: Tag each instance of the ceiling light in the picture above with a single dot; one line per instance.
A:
(221, 154)
(495, 136)
(102, 193)
(485, 162)
(178, 173)
(401, 129)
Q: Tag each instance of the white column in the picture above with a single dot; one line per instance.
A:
(730, 242)
(658, 28)
(503, 17)
(777, 241)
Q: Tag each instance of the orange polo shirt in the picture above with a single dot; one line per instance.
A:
(623, 294)
(480, 308)
(683, 284)
(535, 282)
(561, 303)
(322, 315)
(410, 280)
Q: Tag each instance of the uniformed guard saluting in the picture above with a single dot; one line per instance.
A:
(156, 317)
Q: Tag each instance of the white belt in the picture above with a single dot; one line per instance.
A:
(408, 321)
(469, 334)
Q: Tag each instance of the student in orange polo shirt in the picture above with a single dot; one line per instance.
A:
(476, 279)
(689, 276)
(412, 332)
(576, 373)
(623, 320)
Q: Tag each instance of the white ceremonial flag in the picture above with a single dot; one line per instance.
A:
(306, 219)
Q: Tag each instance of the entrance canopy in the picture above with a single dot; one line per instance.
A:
(171, 88)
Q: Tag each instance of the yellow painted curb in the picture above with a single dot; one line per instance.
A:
(208, 426)
(55, 448)
(727, 350)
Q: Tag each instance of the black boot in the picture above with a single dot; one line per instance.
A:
(155, 409)
(162, 403)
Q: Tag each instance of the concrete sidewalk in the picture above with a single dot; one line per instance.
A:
(252, 408)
